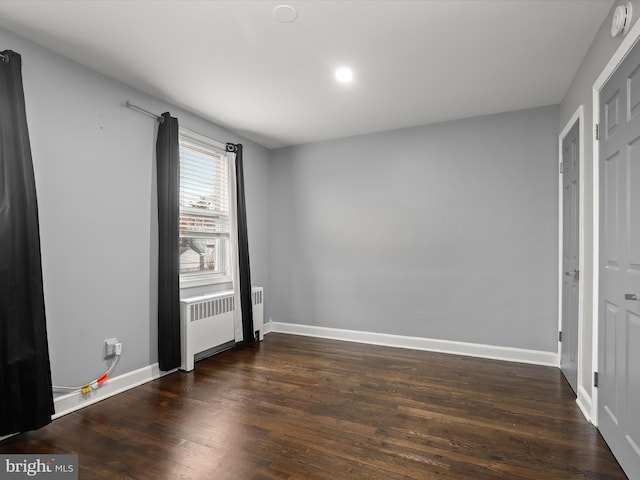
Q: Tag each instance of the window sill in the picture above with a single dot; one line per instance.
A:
(204, 280)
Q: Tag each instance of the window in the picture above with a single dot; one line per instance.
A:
(204, 211)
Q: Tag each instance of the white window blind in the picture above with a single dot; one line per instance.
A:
(204, 206)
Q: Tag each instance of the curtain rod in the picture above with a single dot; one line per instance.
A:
(143, 111)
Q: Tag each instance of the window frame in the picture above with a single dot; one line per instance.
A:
(199, 279)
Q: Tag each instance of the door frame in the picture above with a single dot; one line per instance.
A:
(618, 57)
(578, 116)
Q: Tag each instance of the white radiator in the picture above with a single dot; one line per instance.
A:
(207, 324)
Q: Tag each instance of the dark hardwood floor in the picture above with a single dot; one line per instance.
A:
(305, 408)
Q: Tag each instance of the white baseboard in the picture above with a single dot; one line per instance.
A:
(535, 357)
(584, 402)
(71, 402)
(267, 327)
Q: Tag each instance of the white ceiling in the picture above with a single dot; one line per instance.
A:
(415, 62)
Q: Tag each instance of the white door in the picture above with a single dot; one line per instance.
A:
(570, 255)
(619, 313)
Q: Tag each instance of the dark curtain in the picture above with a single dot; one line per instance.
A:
(26, 398)
(168, 167)
(243, 249)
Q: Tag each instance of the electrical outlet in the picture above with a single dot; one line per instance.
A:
(110, 347)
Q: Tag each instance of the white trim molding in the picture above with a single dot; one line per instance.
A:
(584, 402)
(617, 58)
(267, 327)
(71, 402)
(493, 352)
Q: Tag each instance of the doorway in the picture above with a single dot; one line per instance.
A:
(617, 325)
(570, 249)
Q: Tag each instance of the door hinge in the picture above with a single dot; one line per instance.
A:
(597, 131)
(595, 379)
(559, 336)
(561, 167)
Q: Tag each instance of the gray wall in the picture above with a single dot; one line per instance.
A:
(94, 169)
(580, 93)
(446, 231)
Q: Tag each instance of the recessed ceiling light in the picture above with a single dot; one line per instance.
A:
(344, 75)
(285, 13)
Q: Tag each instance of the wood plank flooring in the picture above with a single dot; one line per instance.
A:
(305, 408)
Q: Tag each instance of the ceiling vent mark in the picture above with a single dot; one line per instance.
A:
(285, 13)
